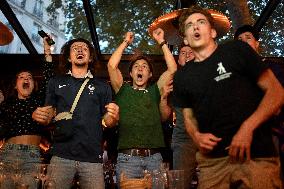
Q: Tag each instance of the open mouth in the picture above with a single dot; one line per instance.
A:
(139, 76)
(196, 35)
(26, 85)
(80, 57)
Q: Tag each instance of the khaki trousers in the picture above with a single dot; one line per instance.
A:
(220, 173)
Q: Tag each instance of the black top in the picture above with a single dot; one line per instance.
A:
(85, 145)
(16, 114)
(222, 91)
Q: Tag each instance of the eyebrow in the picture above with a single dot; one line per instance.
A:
(79, 45)
(198, 20)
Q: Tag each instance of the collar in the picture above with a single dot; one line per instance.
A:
(137, 89)
(88, 74)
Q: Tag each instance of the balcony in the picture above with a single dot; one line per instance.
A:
(38, 13)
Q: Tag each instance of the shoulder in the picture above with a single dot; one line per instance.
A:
(124, 87)
(99, 81)
(183, 70)
(235, 45)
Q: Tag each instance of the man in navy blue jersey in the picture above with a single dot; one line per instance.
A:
(80, 153)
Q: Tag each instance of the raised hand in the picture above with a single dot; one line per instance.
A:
(129, 37)
(47, 49)
(158, 35)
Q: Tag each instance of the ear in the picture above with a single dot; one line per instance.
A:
(185, 41)
(150, 75)
(213, 33)
(130, 73)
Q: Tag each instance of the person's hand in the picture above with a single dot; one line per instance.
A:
(112, 116)
(129, 37)
(47, 49)
(46, 46)
(206, 141)
(43, 115)
(239, 149)
(158, 35)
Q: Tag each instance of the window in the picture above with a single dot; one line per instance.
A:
(35, 36)
(54, 20)
(38, 9)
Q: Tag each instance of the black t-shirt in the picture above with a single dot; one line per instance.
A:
(86, 144)
(222, 91)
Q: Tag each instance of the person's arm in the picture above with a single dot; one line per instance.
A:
(47, 68)
(270, 104)
(204, 141)
(111, 117)
(158, 34)
(115, 75)
(167, 76)
(47, 50)
(165, 109)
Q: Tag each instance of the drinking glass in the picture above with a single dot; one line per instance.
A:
(49, 184)
(176, 179)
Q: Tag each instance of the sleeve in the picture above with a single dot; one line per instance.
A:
(179, 98)
(50, 98)
(107, 98)
(251, 62)
(48, 72)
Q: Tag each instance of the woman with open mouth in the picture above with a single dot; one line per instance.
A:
(20, 135)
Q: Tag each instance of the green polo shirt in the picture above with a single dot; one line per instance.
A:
(140, 123)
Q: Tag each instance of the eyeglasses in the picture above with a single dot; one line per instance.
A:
(199, 22)
(77, 48)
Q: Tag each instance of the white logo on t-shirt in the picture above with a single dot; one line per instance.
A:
(222, 73)
(221, 68)
(60, 86)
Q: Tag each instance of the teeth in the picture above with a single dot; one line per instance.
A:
(79, 57)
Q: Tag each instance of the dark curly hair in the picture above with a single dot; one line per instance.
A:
(193, 9)
(65, 64)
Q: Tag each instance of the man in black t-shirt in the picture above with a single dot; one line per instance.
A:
(232, 94)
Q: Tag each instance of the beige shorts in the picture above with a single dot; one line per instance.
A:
(219, 173)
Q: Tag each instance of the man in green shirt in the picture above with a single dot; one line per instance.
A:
(142, 109)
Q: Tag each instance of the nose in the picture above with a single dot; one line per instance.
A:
(79, 49)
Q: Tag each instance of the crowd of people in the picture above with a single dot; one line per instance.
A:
(227, 100)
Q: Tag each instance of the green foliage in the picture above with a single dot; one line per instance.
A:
(114, 18)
